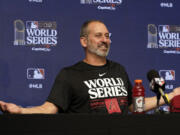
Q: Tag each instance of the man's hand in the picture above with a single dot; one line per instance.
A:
(10, 108)
(46, 108)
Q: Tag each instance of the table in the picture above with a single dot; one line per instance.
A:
(89, 124)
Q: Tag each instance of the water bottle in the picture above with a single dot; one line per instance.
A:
(138, 97)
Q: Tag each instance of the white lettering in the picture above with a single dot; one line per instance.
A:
(100, 82)
(169, 43)
(36, 86)
(100, 92)
(108, 82)
(90, 84)
(107, 92)
(92, 93)
(41, 49)
(108, 1)
(106, 87)
(41, 40)
(106, 8)
(169, 86)
(168, 5)
(41, 32)
(120, 81)
(167, 35)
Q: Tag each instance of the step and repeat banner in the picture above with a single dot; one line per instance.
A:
(40, 37)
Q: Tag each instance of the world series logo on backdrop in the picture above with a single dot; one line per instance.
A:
(164, 37)
(39, 35)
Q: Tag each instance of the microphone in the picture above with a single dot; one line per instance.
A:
(157, 85)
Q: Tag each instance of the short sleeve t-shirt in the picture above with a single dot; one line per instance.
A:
(83, 88)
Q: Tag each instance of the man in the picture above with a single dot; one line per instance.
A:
(93, 85)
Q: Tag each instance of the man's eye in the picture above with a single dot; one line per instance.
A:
(107, 36)
(98, 35)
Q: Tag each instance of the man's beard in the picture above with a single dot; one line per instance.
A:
(98, 50)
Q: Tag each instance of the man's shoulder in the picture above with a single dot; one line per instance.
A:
(75, 66)
(80, 66)
(119, 68)
(115, 64)
(68, 70)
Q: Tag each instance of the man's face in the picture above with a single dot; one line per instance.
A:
(98, 40)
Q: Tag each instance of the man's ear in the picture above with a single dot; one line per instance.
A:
(83, 41)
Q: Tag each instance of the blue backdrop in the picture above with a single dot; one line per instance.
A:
(40, 37)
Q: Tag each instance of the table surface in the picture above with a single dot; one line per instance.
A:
(88, 124)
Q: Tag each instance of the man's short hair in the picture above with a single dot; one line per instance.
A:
(84, 31)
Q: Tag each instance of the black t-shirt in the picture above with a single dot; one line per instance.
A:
(83, 88)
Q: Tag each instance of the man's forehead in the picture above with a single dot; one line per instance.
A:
(97, 27)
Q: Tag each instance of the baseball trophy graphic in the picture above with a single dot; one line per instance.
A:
(19, 32)
(152, 36)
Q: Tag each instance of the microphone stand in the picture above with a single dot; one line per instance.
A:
(157, 111)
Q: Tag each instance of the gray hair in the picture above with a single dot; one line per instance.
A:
(84, 31)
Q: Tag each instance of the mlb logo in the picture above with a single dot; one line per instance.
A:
(35, 73)
(32, 24)
(168, 75)
(164, 28)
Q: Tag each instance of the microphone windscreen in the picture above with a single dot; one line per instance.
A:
(152, 74)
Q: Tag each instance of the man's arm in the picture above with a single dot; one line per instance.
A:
(151, 102)
(46, 108)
